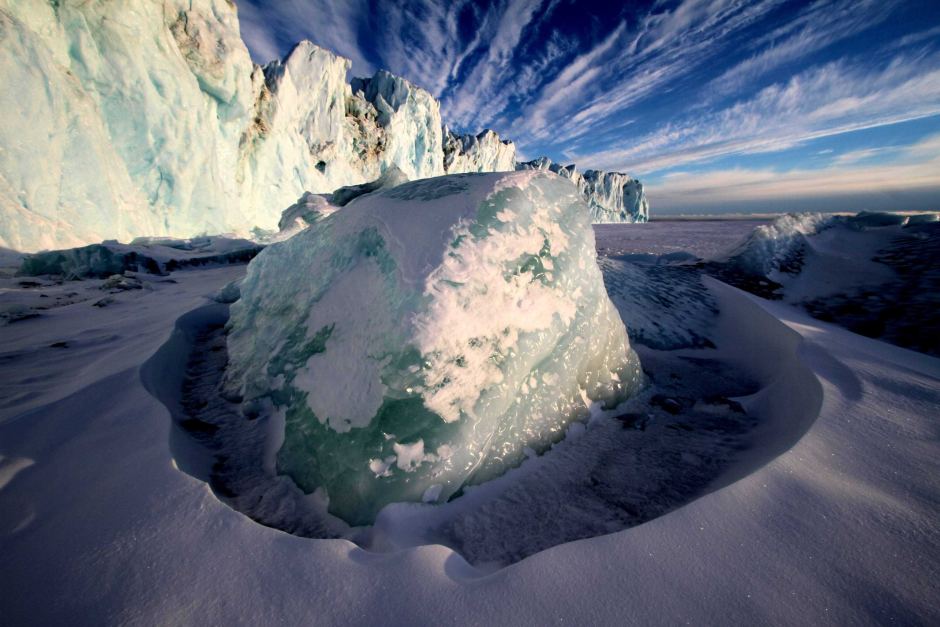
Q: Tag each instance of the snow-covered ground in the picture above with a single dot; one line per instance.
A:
(827, 517)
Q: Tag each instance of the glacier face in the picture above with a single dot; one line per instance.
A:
(144, 118)
(422, 337)
(611, 196)
(149, 118)
(484, 152)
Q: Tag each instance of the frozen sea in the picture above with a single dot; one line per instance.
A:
(702, 238)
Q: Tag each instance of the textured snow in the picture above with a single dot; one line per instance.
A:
(838, 529)
(874, 273)
(443, 324)
(771, 245)
(611, 196)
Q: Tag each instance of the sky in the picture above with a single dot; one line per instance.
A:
(716, 105)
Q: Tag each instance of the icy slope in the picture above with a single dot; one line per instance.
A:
(877, 274)
(612, 196)
(425, 335)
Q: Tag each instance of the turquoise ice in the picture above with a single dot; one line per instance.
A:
(422, 337)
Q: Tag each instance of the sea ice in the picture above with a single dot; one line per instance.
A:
(426, 335)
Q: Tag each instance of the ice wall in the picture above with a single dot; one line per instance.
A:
(485, 152)
(148, 118)
(611, 196)
(422, 337)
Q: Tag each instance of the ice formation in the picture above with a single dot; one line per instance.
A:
(485, 152)
(153, 121)
(422, 337)
(149, 119)
(771, 247)
(611, 196)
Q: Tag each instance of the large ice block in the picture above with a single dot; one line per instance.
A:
(425, 335)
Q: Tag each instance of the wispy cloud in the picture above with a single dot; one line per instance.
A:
(629, 66)
(646, 89)
(819, 25)
(836, 98)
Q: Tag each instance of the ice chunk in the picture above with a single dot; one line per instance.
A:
(308, 209)
(464, 314)
(771, 247)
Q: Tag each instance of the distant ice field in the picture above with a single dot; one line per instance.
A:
(703, 238)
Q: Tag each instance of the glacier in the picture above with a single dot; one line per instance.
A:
(484, 152)
(138, 118)
(612, 197)
(423, 337)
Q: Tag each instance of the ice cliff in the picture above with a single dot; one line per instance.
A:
(136, 118)
(611, 196)
(148, 118)
(423, 337)
(485, 152)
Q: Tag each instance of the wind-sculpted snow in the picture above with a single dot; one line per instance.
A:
(775, 247)
(611, 196)
(873, 273)
(423, 337)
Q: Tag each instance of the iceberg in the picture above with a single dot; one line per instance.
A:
(611, 196)
(420, 339)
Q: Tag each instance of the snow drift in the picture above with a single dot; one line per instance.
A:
(425, 335)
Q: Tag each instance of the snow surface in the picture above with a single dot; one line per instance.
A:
(702, 238)
(426, 334)
(97, 524)
(874, 273)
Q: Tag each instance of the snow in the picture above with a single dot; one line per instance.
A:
(702, 238)
(102, 526)
(422, 311)
(611, 196)
(153, 255)
(875, 274)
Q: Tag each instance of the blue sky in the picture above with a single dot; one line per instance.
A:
(717, 105)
